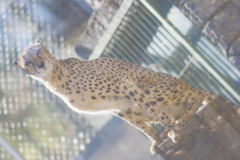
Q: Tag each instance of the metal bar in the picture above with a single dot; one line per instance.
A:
(150, 46)
(146, 36)
(10, 149)
(178, 45)
(138, 47)
(227, 65)
(166, 36)
(111, 29)
(186, 67)
(191, 49)
(182, 47)
(129, 49)
(121, 48)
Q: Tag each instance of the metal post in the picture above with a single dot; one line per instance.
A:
(10, 149)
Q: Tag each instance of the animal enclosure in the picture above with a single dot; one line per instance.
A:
(36, 125)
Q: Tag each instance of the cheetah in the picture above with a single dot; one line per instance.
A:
(138, 95)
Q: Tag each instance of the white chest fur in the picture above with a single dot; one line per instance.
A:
(85, 103)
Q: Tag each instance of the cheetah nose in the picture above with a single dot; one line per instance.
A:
(41, 65)
(15, 62)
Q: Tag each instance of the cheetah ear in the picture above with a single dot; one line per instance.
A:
(39, 41)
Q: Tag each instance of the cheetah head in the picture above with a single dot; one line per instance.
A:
(35, 60)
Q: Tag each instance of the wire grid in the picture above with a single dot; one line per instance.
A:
(37, 124)
(4, 154)
(143, 39)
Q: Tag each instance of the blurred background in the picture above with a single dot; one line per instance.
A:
(37, 125)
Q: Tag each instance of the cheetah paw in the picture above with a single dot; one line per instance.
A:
(154, 148)
(164, 135)
(174, 136)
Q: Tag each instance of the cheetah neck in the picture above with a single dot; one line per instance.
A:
(54, 75)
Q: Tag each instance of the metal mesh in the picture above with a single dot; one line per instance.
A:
(36, 124)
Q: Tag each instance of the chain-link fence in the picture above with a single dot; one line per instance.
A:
(35, 123)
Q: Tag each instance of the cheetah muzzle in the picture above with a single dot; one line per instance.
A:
(136, 94)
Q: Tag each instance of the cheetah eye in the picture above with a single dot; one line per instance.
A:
(41, 65)
(38, 52)
(28, 63)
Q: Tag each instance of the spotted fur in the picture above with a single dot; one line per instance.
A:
(130, 91)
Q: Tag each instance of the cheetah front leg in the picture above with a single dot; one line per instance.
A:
(136, 121)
